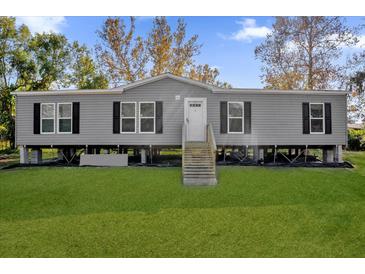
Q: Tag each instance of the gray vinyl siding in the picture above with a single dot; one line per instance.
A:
(276, 118)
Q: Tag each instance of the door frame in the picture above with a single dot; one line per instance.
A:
(204, 105)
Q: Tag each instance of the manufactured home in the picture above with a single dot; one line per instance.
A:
(169, 111)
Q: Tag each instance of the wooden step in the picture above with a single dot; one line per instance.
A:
(200, 181)
(194, 168)
(198, 153)
(199, 164)
(198, 160)
(198, 156)
(199, 167)
(190, 165)
(201, 176)
(191, 176)
(197, 171)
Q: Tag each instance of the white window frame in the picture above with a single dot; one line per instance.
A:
(228, 117)
(58, 118)
(121, 118)
(54, 118)
(310, 118)
(154, 117)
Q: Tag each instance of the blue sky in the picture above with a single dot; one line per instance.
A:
(228, 42)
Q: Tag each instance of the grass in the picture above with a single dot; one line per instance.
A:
(146, 212)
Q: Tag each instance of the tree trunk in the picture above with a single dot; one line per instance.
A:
(310, 58)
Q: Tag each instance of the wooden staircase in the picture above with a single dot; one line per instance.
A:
(199, 162)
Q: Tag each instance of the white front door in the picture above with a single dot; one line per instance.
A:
(195, 118)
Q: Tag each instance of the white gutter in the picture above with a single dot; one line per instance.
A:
(67, 92)
(269, 91)
(225, 91)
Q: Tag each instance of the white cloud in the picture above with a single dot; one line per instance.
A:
(249, 31)
(216, 67)
(43, 23)
(361, 43)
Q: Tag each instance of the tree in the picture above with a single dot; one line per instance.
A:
(28, 63)
(126, 57)
(171, 52)
(14, 69)
(356, 107)
(355, 83)
(354, 78)
(206, 74)
(123, 55)
(302, 52)
(50, 58)
(85, 74)
(183, 51)
(160, 46)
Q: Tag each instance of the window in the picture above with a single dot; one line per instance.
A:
(48, 118)
(147, 117)
(128, 116)
(316, 118)
(64, 118)
(235, 117)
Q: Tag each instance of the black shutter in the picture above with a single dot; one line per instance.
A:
(37, 118)
(328, 118)
(247, 117)
(75, 117)
(223, 110)
(159, 117)
(116, 117)
(305, 118)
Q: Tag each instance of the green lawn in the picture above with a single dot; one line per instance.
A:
(146, 212)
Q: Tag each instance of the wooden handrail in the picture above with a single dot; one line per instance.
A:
(212, 144)
(210, 137)
(183, 136)
(183, 140)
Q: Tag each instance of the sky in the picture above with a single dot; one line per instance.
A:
(228, 43)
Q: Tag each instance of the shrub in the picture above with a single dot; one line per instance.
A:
(356, 139)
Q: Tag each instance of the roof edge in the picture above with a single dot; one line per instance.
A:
(214, 89)
(277, 91)
(161, 77)
(65, 92)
